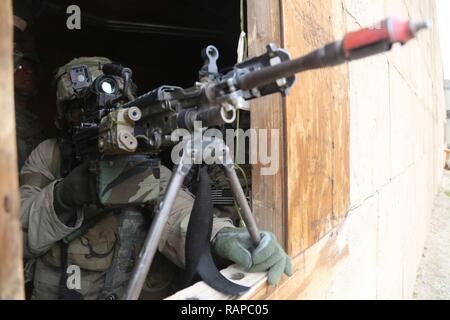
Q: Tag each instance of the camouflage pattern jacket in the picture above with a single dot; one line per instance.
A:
(43, 230)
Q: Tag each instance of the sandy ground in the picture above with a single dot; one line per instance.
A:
(433, 278)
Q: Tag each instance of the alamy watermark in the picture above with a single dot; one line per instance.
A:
(262, 145)
(73, 21)
(73, 277)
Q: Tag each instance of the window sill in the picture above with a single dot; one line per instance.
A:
(201, 291)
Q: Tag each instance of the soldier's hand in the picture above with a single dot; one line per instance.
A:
(236, 245)
(73, 191)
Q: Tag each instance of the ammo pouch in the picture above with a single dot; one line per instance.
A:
(128, 180)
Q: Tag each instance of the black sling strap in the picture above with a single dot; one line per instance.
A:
(199, 259)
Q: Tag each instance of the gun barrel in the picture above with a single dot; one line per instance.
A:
(320, 58)
(355, 45)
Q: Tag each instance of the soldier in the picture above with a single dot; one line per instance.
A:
(28, 131)
(53, 208)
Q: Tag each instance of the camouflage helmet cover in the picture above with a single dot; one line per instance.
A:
(64, 87)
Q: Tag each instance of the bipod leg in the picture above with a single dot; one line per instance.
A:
(151, 243)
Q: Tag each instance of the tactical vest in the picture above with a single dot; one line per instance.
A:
(108, 248)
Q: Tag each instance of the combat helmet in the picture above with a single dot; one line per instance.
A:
(67, 93)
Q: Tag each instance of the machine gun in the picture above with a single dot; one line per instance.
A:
(143, 126)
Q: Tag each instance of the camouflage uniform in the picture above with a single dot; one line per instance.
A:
(43, 229)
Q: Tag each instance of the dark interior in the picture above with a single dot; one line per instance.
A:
(160, 40)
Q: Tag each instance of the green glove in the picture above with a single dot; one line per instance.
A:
(73, 191)
(236, 245)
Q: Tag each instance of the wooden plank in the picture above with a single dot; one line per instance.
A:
(316, 130)
(201, 291)
(11, 270)
(314, 272)
(268, 192)
(340, 115)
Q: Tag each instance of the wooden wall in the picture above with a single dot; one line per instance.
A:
(269, 195)
(11, 275)
(309, 195)
(360, 238)
(316, 128)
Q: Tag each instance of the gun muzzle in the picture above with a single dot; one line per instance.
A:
(380, 38)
